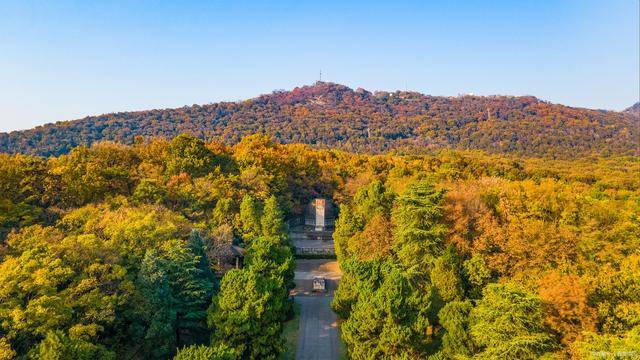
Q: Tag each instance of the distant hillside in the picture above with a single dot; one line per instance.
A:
(332, 115)
(633, 109)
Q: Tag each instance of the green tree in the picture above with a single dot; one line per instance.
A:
(89, 174)
(445, 275)
(250, 214)
(477, 275)
(51, 282)
(224, 212)
(373, 199)
(155, 315)
(608, 346)
(390, 322)
(419, 231)
(347, 225)
(195, 243)
(454, 318)
(358, 277)
(192, 287)
(246, 314)
(202, 352)
(272, 260)
(149, 191)
(57, 346)
(507, 324)
(272, 221)
(188, 154)
(277, 263)
(618, 296)
(22, 181)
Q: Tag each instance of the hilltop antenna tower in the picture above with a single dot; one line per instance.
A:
(320, 78)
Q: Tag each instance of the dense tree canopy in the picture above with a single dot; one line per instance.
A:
(107, 252)
(513, 264)
(124, 251)
(335, 116)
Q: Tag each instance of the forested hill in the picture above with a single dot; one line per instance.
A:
(332, 115)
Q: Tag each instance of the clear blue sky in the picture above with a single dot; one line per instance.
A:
(61, 60)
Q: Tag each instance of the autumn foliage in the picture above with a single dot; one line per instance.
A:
(328, 115)
(118, 251)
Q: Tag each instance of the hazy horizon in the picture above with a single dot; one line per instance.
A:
(69, 60)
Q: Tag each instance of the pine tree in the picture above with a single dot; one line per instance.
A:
(371, 200)
(454, 318)
(271, 259)
(196, 245)
(155, 312)
(246, 315)
(419, 229)
(192, 288)
(507, 323)
(250, 214)
(391, 321)
(272, 221)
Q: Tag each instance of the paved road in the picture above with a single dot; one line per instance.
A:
(307, 269)
(318, 338)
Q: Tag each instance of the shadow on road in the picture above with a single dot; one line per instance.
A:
(318, 336)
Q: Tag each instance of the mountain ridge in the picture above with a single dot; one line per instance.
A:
(333, 115)
(633, 109)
